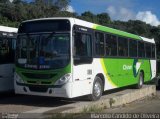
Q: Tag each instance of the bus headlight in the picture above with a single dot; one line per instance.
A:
(64, 79)
(18, 78)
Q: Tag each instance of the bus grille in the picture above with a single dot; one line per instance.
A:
(38, 76)
(36, 88)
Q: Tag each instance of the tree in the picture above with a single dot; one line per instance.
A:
(17, 1)
(61, 4)
(103, 19)
(4, 1)
(12, 13)
(65, 14)
(89, 16)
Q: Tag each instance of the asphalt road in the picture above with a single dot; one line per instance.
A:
(22, 103)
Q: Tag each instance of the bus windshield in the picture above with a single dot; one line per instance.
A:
(43, 50)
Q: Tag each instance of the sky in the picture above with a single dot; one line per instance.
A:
(124, 10)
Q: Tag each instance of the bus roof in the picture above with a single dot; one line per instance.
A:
(98, 27)
(8, 29)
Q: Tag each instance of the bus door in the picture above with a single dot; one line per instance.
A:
(7, 48)
(82, 67)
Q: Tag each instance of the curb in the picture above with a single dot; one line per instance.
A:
(107, 101)
(116, 99)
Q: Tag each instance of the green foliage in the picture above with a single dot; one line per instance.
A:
(20, 10)
(103, 19)
(88, 16)
(12, 13)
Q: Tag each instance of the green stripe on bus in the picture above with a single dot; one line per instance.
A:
(106, 74)
(116, 32)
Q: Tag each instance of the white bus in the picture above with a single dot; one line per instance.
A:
(7, 56)
(68, 57)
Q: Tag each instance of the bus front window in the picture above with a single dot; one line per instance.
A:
(54, 50)
(43, 51)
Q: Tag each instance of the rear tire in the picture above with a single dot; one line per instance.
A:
(140, 81)
(96, 90)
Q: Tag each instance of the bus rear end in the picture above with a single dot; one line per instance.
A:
(43, 65)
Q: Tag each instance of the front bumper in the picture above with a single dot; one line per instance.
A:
(44, 90)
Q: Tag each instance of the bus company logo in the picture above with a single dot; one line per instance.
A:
(136, 67)
(127, 67)
(83, 29)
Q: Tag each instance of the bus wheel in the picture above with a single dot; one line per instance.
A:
(97, 89)
(140, 81)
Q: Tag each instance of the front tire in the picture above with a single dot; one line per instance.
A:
(140, 81)
(97, 89)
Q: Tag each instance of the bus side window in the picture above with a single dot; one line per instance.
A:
(82, 45)
(148, 50)
(99, 44)
(13, 43)
(122, 47)
(132, 48)
(4, 50)
(13, 48)
(82, 48)
(153, 51)
(141, 49)
(111, 45)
